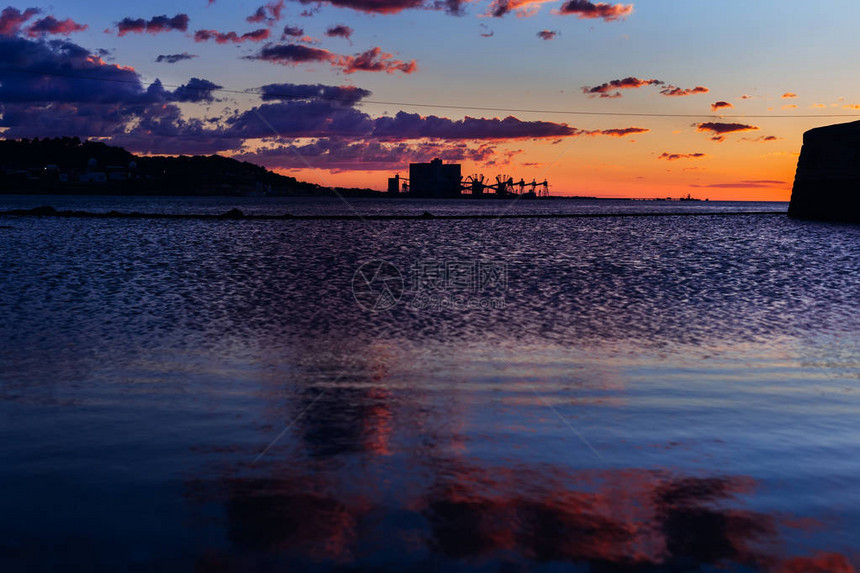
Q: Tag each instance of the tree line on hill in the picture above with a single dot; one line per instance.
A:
(67, 165)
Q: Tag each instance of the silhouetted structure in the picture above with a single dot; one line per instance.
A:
(437, 179)
(394, 184)
(827, 183)
(434, 179)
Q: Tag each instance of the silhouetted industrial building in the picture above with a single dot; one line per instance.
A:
(434, 179)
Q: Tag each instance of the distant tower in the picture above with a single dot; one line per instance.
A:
(394, 184)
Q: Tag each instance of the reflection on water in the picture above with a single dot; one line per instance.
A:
(635, 519)
(656, 395)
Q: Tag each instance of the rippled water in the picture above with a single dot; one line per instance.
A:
(653, 394)
(374, 206)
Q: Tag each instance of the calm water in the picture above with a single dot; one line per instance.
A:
(648, 394)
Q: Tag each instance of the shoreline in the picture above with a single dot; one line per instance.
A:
(236, 214)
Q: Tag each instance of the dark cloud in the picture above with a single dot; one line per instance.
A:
(585, 9)
(292, 31)
(11, 19)
(62, 89)
(38, 71)
(373, 60)
(746, 184)
(380, 6)
(300, 118)
(339, 31)
(674, 91)
(62, 119)
(499, 8)
(609, 89)
(154, 25)
(618, 132)
(414, 126)
(195, 90)
(292, 54)
(720, 105)
(344, 94)
(173, 58)
(43, 98)
(59, 71)
(761, 139)
(50, 25)
(452, 7)
(789, 95)
(269, 13)
(676, 156)
(327, 111)
(719, 130)
(258, 16)
(228, 37)
(547, 34)
(340, 154)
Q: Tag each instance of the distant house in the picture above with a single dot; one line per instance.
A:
(434, 179)
(93, 177)
(117, 173)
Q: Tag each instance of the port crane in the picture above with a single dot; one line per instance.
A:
(478, 185)
(506, 186)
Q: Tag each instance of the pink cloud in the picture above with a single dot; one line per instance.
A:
(11, 19)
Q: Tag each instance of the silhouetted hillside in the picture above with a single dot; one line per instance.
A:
(69, 165)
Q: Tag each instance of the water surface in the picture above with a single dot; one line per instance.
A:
(654, 394)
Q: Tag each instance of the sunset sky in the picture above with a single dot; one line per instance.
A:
(643, 99)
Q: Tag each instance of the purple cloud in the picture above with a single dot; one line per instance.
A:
(154, 25)
(11, 19)
(339, 31)
(173, 58)
(50, 25)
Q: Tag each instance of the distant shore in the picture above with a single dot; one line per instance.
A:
(236, 214)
